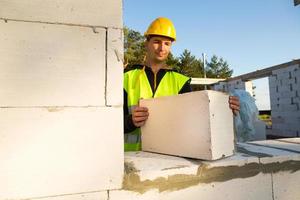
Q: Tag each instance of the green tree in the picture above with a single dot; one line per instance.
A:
(218, 68)
(189, 65)
(134, 50)
(173, 62)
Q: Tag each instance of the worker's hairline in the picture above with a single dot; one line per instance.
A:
(148, 37)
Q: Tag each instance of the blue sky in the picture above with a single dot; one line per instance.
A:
(249, 35)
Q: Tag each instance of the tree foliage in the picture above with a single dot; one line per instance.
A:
(134, 50)
(218, 68)
(186, 63)
(190, 65)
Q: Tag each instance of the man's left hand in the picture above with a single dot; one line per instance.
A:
(234, 104)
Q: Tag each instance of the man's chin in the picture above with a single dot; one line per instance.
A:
(160, 59)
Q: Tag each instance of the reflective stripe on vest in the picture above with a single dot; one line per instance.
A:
(137, 86)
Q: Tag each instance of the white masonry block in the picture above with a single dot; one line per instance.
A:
(51, 65)
(57, 151)
(92, 13)
(114, 84)
(196, 125)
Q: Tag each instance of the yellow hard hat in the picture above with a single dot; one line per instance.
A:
(162, 26)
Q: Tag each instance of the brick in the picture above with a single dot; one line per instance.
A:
(114, 87)
(205, 131)
(51, 65)
(57, 151)
(92, 13)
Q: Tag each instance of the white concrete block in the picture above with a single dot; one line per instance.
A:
(286, 185)
(285, 96)
(56, 151)
(284, 88)
(290, 107)
(284, 102)
(282, 75)
(272, 80)
(114, 85)
(92, 13)
(285, 172)
(51, 65)
(197, 125)
(278, 120)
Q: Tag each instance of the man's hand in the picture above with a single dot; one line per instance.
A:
(139, 116)
(234, 104)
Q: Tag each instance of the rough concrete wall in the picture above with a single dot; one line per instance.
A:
(285, 101)
(61, 97)
(233, 85)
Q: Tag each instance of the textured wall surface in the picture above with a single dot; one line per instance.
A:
(285, 101)
(61, 126)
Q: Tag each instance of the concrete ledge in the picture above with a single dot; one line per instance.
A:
(252, 165)
(259, 170)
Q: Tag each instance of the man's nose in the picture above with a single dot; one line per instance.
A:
(162, 47)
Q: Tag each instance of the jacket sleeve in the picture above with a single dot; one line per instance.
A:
(186, 87)
(128, 123)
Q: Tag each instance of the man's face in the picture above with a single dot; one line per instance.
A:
(158, 48)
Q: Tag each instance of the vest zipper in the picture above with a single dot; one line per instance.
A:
(154, 85)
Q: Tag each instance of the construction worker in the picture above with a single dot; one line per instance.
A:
(153, 79)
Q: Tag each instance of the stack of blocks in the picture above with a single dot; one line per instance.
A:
(285, 101)
(61, 106)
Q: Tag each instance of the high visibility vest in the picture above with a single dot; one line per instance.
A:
(137, 86)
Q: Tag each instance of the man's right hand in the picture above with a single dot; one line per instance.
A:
(139, 115)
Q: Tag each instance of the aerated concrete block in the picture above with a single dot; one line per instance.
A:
(91, 13)
(114, 84)
(51, 65)
(57, 151)
(197, 125)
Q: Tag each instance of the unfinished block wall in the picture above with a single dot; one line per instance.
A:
(284, 85)
(61, 126)
(235, 84)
